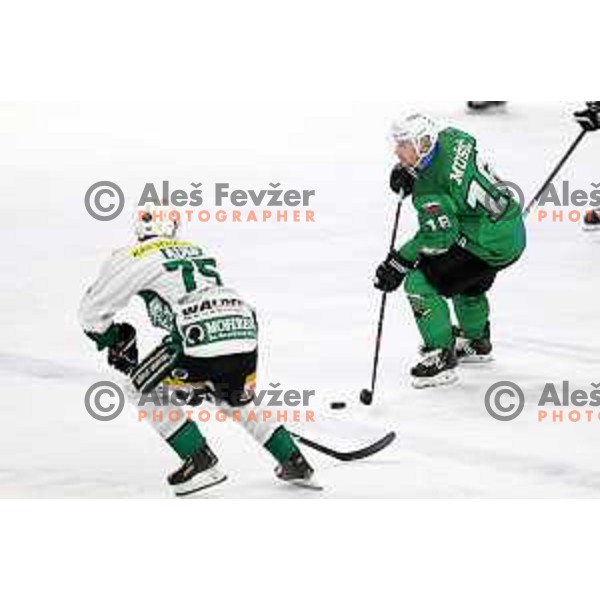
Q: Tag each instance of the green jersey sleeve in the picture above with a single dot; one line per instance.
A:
(438, 227)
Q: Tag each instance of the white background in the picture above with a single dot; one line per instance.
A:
(318, 51)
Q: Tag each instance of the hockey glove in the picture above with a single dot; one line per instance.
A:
(589, 118)
(402, 181)
(123, 354)
(391, 272)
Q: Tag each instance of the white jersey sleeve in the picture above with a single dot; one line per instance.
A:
(120, 279)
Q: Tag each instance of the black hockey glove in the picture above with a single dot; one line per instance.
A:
(402, 181)
(123, 354)
(589, 118)
(391, 272)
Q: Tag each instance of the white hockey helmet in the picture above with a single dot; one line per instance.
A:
(155, 221)
(420, 131)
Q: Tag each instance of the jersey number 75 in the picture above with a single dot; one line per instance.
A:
(207, 267)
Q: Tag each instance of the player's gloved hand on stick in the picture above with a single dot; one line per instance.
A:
(123, 355)
(402, 181)
(391, 272)
(589, 118)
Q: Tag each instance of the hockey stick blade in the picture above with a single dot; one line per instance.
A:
(365, 452)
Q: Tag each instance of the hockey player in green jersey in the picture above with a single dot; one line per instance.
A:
(470, 228)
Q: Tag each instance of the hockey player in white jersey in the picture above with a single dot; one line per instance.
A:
(211, 342)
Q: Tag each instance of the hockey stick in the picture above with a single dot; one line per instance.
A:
(555, 171)
(366, 395)
(365, 452)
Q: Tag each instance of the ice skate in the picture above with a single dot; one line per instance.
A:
(485, 105)
(437, 367)
(474, 351)
(198, 472)
(297, 471)
(591, 221)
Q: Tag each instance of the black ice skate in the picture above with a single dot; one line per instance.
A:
(485, 105)
(198, 472)
(298, 472)
(591, 221)
(474, 351)
(437, 367)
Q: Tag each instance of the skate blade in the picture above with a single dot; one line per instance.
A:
(444, 378)
(474, 359)
(200, 483)
(310, 484)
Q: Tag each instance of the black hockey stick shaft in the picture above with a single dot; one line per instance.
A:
(555, 171)
(359, 454)
(382, 307)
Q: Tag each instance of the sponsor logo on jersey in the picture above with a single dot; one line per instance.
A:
(150, 247)
(432, 208)
(219, 329)
(194, 334)
(212, 304)
(159, 313)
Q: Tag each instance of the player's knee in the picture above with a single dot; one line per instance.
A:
(467, 300)
(416, 284)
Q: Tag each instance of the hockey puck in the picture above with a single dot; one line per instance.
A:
(366, 396)
(338, 405)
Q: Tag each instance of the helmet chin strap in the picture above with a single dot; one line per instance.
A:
(423, 159)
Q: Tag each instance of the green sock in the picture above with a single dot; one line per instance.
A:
(472, 313)
(281, 445)
(430, 310)
(187, 440)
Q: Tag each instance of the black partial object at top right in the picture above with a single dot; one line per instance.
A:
(589, 119)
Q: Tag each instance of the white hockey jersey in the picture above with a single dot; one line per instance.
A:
(183, 293)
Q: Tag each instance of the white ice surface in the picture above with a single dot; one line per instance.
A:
(311, 284)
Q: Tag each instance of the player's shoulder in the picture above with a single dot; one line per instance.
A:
(457, 149)
(117, 255)
(452, 154)
(450, 137)
(117, 260)
(120, 252)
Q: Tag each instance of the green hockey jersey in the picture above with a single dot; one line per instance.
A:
(459, 201)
